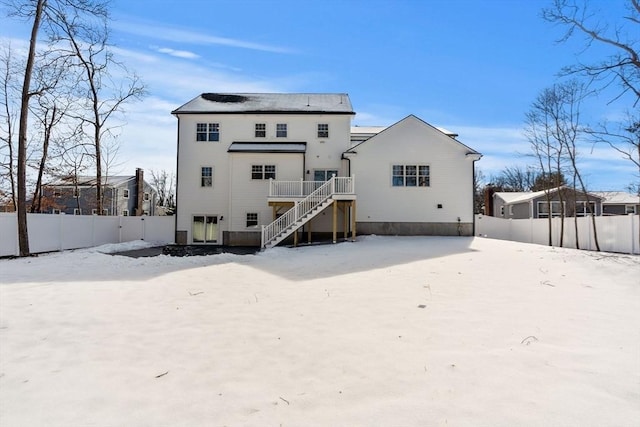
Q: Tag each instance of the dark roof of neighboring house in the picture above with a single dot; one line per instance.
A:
(268, 103)
(90, 181)
(514, 197)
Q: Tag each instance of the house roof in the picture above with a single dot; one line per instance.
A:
(471, 151)
(253, 147)
(268, 103)
(513, 197)
(617, 197)
(90, 181)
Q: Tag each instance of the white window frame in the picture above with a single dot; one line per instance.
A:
(207, 132)
(125, 212)
(147, 196)
(252, 219)
(77, 211)
(554, 213)
(628, 211)
(323, 130)
(203, 177)
(94, 211)
(125, 193)
(55, 211)
(584, 211)
(411, 175)
(282, 130)
(327, 174)
(261, 172)
(215, 220)
(260, 130)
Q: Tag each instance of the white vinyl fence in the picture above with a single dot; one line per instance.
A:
(615, 233)
(49, 232)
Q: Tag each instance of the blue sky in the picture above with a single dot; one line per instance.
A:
(471, 66)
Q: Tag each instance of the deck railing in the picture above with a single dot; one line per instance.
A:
(323, 191)
(343, 185)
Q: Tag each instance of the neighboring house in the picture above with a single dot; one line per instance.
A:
(541, 204)
(255, 168)
(619, 202)
(123, 195)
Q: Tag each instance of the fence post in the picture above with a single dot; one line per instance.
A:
(60, 232)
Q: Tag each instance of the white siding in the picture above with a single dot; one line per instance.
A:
(413, 142)
(250, 195)
(233, 194)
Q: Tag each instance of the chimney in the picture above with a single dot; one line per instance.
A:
(139, 191)
(488, 200)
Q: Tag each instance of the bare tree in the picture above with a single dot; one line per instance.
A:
(89, 45)
(516, 178)
(547, 151)
(622, 66)
(164, 184)
(23, 233)
(8, 116)
(624, 137)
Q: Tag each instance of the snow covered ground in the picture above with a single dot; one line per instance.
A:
(388, 331)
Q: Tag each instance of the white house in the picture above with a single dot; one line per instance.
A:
(256, 168)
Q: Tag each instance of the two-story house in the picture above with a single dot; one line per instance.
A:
(122, 195)
(256, 168)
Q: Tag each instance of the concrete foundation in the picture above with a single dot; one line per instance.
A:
(416, 228)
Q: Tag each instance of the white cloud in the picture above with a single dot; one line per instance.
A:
(164, 32)
(178, 53)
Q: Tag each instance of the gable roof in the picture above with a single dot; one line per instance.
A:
(617, 197)
(90, 181)
(513, 197)
(413, 117)
(268, 103)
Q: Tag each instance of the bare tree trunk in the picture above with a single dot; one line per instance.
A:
(48, 128)
(23, 232)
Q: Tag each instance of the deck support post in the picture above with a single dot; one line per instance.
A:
(335, 221)
(353, 220)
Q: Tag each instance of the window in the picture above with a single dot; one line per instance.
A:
(105, 212)
(207, 131)
(502, 210)
(204, 229)
(543, 209)
(263, 172)
(281, 130)
(252, 219)
(629, 209)
(125, 212)
(77, 211)
(323, 130)
(206, 178)
(125, 194)
(324, 175)
(261, 130)
(146, 197)
(57, 193)
(55, 211)
(582, 209)
(410, 176)
(76, 192)
(146, 213)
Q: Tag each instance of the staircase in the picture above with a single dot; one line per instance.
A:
(303, 211)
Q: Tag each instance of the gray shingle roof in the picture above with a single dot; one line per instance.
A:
(294, 103)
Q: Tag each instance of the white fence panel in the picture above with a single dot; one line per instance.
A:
(8, 234)
(58, 232)
(615, 233)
